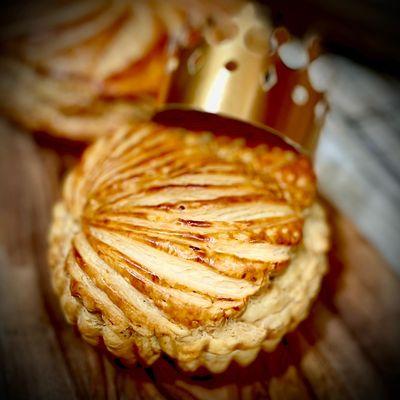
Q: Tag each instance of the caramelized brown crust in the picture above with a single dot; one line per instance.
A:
(170, 234)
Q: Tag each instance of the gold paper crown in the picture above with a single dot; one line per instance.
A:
(246, 69)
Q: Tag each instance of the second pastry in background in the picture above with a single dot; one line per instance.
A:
(80, 69)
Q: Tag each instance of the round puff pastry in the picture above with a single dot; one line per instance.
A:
(169, 241)
(79, 69)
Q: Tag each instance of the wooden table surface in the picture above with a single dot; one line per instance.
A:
(348, 348)
(358, 160)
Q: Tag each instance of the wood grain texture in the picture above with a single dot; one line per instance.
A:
(347, 348)
(358, 153)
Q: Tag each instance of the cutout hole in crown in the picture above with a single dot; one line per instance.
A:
(195, 61)
(231, 65)
(269, 79)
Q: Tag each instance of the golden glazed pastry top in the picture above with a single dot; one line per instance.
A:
(190, 226)
(200, 247)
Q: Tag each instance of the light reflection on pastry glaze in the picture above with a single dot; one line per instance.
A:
(169, 239)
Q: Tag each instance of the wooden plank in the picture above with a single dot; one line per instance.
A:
(32, 361)
(358, 155)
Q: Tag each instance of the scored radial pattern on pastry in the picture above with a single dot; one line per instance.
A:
(183, 243)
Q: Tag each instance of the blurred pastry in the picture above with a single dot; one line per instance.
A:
(196, 246)
(79, 69)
